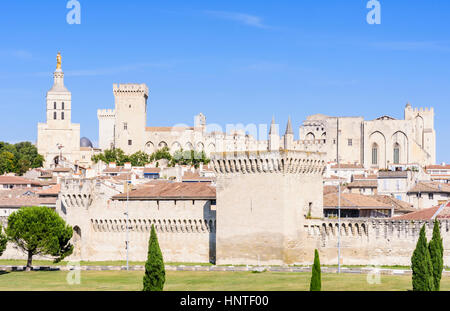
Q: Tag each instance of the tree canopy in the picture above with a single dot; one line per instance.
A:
(19, 158)
(39, 230)
(140, 158)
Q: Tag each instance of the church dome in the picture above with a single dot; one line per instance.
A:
(85, 142)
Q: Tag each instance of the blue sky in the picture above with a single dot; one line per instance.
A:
(235, 61)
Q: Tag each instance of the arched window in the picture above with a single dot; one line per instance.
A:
(375, 154)
(62, 115)
(396, 153)
(54, 115)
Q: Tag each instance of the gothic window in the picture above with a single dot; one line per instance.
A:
(62, 115)
(396, 154)
(62, 105)
(54, 115)
(375, 154)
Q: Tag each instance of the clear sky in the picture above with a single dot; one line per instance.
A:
(235, 61)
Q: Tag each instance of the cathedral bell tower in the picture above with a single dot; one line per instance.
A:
(58, 139)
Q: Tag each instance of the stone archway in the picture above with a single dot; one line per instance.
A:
(76, 238)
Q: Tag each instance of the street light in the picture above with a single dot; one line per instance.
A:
(339, 202)
(127, 242)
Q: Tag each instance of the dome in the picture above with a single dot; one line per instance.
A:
(85, 142)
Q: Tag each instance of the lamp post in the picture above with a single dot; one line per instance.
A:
(127, 242)
(339, 202)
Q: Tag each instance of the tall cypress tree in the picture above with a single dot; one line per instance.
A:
(437, 255)
(155, 274)
(316, 280)
(422, 268)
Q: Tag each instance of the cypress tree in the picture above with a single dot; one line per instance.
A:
(155, 274)
(316, 280)
(437, 255)
(422, 268)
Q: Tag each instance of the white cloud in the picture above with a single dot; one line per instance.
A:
(246, 19)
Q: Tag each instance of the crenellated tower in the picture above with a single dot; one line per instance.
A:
(263, 200)
(130, 116)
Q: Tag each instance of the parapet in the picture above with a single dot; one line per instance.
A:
(283, 161)
(106, 113)
(130, 88)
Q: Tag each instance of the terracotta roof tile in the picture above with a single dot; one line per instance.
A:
(353, 200)
(53, 190)
(363, 184)
(16, 180)
(430, 187)
(169, 190)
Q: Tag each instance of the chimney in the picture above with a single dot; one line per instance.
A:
(112, 164)
(127, 165)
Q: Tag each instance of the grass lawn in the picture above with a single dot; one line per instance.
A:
(201, 280)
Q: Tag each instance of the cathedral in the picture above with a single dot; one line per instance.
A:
(372, 143)
(58, 140)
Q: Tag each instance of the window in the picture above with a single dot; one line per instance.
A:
(54, 105)
(125, 125)
(430, 196)
(62, 115)
(375, 154)
(54, 115)
(334, 141)
(129, 106)
(62, 105)
(129, 142)
(350, 142)
(396, 154)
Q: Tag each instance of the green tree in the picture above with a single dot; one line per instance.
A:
(316, 280)
(437, 255)
(139, 158)
(7, 164)
(421, 265)
(163, 153)
(39, 230)
(3, 241)
(155, 274)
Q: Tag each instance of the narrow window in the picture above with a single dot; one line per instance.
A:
(54, 105)
(125, 125)
(62, 115)
(396, 154)
(54, 115)
(375, 154)
(430, 196)
(129, 142)
(62, 105)
(350, 142)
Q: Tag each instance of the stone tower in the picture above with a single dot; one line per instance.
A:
(289, 136)
(263, 199)
(58, 137)
(106, 127)
(274, 137)
(423, 129)
(131, 116)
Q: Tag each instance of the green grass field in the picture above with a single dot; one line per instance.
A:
(201, 280)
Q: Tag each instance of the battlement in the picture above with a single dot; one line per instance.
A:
(130, 89)
(106, 113)
(283, 161)
(311, 142)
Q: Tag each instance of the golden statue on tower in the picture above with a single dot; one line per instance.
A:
(58, 60)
